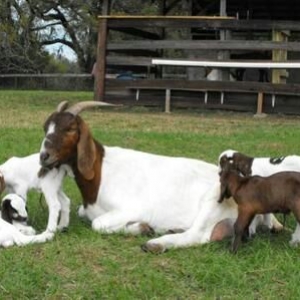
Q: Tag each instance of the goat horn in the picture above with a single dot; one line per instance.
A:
(62, 106)
(78, 107)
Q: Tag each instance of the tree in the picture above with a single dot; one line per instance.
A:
(74, 23)
(30, 25)
(20, 51)
(71, 23)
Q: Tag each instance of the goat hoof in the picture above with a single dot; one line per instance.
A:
(64, 229)
(146, 230)
(295, 243)
(276, 229)
(153, 248)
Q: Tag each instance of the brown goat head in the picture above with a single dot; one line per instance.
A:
(241, 162)
(68, 139)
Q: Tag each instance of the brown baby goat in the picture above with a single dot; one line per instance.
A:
(260, 195)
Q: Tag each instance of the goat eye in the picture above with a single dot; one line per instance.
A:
(15, 215)
(70, 129)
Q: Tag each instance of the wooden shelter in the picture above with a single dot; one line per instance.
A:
(231, 31)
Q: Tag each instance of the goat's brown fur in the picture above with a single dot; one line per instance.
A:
(260, 195)
(239, 161)
(72, 143)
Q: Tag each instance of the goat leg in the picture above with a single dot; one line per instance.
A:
(240, 226)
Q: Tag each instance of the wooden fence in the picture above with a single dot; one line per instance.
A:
(68, 82)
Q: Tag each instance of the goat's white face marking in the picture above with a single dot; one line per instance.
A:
(228, 154)
(51, 130)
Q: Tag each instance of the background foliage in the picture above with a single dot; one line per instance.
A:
(27, 26)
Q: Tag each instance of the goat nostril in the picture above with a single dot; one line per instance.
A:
(44, 156)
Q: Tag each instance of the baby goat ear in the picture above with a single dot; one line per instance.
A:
(2, 183)
(223, 193)
(86, 152)
(6, 211)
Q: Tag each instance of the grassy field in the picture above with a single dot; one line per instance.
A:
(82, 264)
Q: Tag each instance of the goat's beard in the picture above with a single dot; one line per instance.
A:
(45, 169)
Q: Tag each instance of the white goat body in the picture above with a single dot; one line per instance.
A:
(165, 192)
(10, 235)
(161, 191)
(21, 175)
(266, 166)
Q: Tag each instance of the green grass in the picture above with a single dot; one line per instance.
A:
(82, 264)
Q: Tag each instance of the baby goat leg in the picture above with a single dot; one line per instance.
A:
(242, 223)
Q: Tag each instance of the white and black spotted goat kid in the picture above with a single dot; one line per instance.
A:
(14, 211)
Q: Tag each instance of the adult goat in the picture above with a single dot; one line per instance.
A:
(132, 191)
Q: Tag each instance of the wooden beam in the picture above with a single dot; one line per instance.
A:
(243, 86)
(224, 55)
(139, 33)
(129, 61)
(205, 45)
(136, 52)
(279, 76)
(204, 23)
(99, 85)
(260, 99)
(228, 64)
(168, 101)
(147, 17)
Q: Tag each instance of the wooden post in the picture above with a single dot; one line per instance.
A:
(224, 35)
(168, 101)
(279, 76)
(162, 11)
(99, 86)
(260, 98)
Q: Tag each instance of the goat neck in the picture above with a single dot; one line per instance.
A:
(89, 188)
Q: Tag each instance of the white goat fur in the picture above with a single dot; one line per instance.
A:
(261, 165)
(19, 233)
(21, 175)
(10, 235)
(164, 192)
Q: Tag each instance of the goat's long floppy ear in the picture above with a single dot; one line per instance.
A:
(86, 152)
(5, 211)
(2, 183)
(223, 193)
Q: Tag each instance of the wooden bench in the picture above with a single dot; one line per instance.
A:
(222, 86)
(204, 86)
